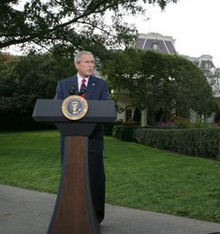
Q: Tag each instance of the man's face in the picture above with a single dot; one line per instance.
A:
(86, 66)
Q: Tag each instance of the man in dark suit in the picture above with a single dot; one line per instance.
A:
(91, 88)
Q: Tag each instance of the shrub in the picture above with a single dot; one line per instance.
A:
(125, 133)
(108, 128)
(182, 123)
(164, 125)
(201, 141)
(200, 124)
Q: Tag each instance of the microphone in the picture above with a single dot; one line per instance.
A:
(72, 90)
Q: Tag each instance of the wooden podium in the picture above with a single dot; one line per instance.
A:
(74, 212)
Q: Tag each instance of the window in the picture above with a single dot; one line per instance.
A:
(207, 65)
(128, 115)
(155, 46)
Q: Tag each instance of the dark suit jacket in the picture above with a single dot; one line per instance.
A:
(97, 89)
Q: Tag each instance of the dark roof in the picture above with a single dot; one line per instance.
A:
(170, 47)
(162, 45)
(139, 43)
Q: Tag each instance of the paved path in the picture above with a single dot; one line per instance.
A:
(28, 212)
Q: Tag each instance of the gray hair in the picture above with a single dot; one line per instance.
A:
(79, 54)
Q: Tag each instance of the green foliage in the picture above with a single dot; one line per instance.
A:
(108, 128)
(24, 79)
(124, 133)
(197, 142)
(185, 123)
(152, 78)
(182, 123)
(67, 23)
(201, 124)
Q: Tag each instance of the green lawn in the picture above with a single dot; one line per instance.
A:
(137, 176)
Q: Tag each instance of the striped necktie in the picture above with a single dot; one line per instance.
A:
(83, 88)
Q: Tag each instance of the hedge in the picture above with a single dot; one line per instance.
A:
(201, 142)
(108, 128)
(125, 133)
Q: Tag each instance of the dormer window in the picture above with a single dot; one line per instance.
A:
(207, 65)
(155, 46)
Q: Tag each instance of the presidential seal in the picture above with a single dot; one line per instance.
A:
(74, 107)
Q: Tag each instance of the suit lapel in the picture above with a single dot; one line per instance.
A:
(90, 87)
(75, 83)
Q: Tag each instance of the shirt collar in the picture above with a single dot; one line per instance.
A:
(80, 80)
(80, 77)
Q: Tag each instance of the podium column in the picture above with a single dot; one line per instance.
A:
(74, 213)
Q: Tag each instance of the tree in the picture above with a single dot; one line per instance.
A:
(67, 23)
(26, 78)
(152, 78)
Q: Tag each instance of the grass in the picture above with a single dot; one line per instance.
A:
(30, 160)
(136, 176)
